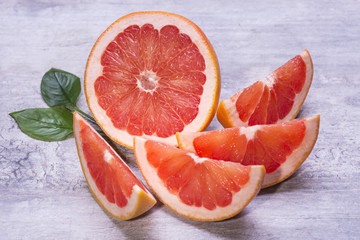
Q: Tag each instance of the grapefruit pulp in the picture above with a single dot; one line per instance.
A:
(152, 74)
(199, 188)
(281, 147)
(114, 186)
(277, 98)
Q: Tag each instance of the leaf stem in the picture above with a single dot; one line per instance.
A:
(101, 132)
(82, 113)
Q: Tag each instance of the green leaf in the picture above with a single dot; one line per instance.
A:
(60, 88)
(47, 124)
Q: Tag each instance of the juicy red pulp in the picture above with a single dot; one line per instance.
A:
(113, 178)
(270, 145)
(262, 104)
(152, 80)
(203, 184)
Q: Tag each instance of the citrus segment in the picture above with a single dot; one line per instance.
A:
(110, 180)
(277, 98)
(152, 74)
(199, 188)
(281, 147)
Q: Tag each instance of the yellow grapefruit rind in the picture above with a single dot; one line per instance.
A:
(293, 161)
(209, 99)
(240, 199)
(139, 201)
(224, 116)
(229, 117)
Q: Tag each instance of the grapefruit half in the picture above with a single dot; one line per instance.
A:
(276, 98)
(281, 147)
(198, 188)
(152, 74)
(114, 186)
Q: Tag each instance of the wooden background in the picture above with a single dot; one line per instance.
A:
(43, 194)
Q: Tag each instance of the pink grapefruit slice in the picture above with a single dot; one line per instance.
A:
(198, 188)
(277, 98)
(281, 147)
(114, 186)
(152, 74)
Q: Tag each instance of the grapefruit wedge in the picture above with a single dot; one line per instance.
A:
(277, 98)
(198, 188)
(281, 147)
(114, 186)
(152, 74)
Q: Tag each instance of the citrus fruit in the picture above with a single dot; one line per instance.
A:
(281, 147)
(114, 186)
(276, 98)
(199, 188)
(152, 74)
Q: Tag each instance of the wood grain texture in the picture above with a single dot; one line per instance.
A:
(43, 194)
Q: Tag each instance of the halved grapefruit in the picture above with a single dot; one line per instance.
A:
(281, 147)
(199, 188)
(152, 74)
(277, 98)
(114, 186)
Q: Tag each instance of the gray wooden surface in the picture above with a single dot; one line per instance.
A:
(43, 194)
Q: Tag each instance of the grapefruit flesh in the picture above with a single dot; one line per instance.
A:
(152, 74)
(277, 98)
(112, 183)
(281, 147)
(199, 188)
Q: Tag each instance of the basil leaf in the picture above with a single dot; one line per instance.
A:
(60, 88)
(47, 124)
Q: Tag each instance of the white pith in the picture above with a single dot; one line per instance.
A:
(269, 80)
(293, 161)
(196, 158)
(151, 76)
(133, 202)
(94, 69)
(107, 156)
(230, 105)
(249, 132)
(239, 201)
